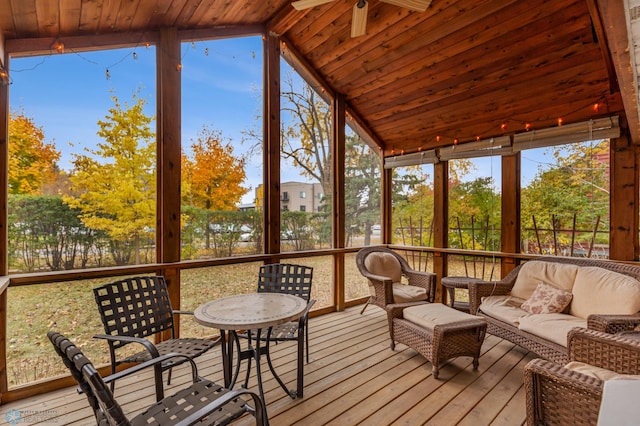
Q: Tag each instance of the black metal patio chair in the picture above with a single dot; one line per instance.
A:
(295, 280)
(201, 402)
(133, 310)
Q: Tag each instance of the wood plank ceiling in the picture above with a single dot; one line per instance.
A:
(463, 69)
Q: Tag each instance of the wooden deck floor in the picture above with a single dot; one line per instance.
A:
(353, 378)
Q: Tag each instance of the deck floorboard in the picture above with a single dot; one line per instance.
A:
(354, 378)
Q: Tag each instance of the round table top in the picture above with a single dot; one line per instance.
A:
(250, 311)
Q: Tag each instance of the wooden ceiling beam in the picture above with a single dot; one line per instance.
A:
(460, 56)
(614, 23)
(559, 88)
(42, 46)
(457, 90)
(285, 18)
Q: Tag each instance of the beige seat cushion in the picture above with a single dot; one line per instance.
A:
(387, 265)
(429, 315)
(600, 291)
(503, 308)
(403, 293)
(597, 372)
(552, 327)
(559, 275)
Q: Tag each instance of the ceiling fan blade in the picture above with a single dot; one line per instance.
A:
(359, 19)
(417, 5)
(306, 4)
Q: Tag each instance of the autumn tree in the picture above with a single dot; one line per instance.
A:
(306, 141)
(212, 176)
(572, 192)
(32, 162)
(362, 188)
(474, 215)
(412, 199)
(114, 185)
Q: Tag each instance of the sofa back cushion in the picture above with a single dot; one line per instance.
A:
(384, 264)
(560, 275)
(600, 291)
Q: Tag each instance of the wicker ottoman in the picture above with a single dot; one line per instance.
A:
(439, 333)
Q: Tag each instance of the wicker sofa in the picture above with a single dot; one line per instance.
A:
(605, 297)
(571, 394)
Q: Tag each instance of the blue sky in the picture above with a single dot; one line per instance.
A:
(66, 94)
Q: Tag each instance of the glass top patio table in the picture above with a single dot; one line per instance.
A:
(242, 312)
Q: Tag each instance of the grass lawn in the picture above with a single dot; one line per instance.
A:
(69, 308)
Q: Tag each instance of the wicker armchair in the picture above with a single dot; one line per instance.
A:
(201, 402)
(557, 395)
(387, 289)
(134, 309)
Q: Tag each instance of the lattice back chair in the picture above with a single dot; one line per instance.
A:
(296, 280)
(202, 401)
(133, 310)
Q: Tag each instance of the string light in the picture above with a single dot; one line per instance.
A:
(179, 67)
(58, 46)
(108, 74)
(206, 51)
(135, 56)
(4, 76)
(528, 126)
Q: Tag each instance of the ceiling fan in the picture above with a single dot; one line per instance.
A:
(359, 18)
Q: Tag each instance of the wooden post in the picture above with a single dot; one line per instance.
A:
(168, 162)
(4, 189)
(271, 154)
(338, 186)
(385, 199)
(511, 194)
(440, 221)
(623, 202)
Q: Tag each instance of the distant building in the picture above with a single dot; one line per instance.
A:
(296, 196)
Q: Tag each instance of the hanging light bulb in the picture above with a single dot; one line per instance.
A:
(4, 76)
(58, 46)
(108, 74)
(135, 56)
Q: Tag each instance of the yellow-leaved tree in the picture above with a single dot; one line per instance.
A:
(114, 185)
(212, 175)
(32, 162)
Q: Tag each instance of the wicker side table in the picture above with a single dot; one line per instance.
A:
(450, 284)
(440, 333)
